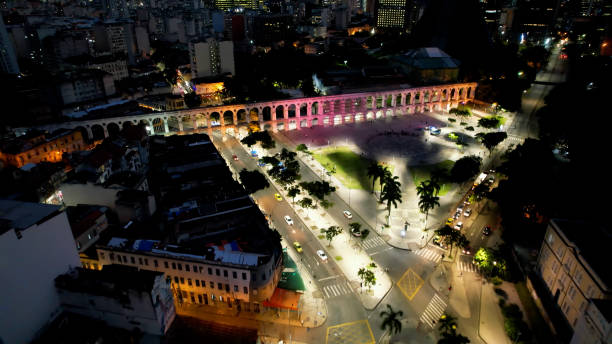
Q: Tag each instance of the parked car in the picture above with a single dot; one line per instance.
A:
(459, 225)
(456, 216)
(347, 214)
(467, 212)
(297, 246)
(356, 232)
(467, 250)
(449, 221)
(288, 220)
(460, 208)
(486, 230)
(278, 197)
(235, 157)
(322, 255)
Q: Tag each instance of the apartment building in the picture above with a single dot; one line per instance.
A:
(211, 58)
(572, 266)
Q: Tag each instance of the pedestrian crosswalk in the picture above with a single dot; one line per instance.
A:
(337, 289)
(434, 311)
(373, 242)
(430, 253)
(467, 266)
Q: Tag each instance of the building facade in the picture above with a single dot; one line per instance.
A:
(33, 149)
(211, 57)
(85, 86)
(571, 268)
(36, 246)
(214, 276)
(595, 324)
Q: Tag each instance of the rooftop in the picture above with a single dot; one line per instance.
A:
(22, 215)
(83, 216)
(112, 280)
(590, 240)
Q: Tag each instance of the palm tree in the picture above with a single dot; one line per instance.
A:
(452, 237)
(385, 177)
(447, 324)
(428, 202)
(375, 171)
(391, 193)
(430, 186)
(448, 331)
(391, 320)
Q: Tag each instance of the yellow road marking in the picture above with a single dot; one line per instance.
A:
(349, 324)
(413, 284)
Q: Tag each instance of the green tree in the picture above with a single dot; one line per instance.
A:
(318, 189)
(490, 262)
(452, 237)
(375, 171)
(355, 226)
(428, 187)
(326, 204)
(489, 122)
(448, 331)
(428, 202)
(293, 192)
(306, 203)
(302, 148)
(391, 320)
(262, 137)
(332, 232)
(384, 178)
(465, 168)
(391, 193)
(367, 277)
(253, 180)
(491, 140)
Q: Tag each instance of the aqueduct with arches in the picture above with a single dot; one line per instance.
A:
(289, 114)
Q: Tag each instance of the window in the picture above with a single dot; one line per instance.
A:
(132, 260)
(244, 276)
(140, 260)
(210, 271)
(572, 292)
(203, 283)
(245, 290)
(197, 282)
(235, 288)
(102, 255)
(227, 287)
(192, 297)
(155, 263)
(578, 277)
(224, 273)
(234, 274)
(176, 280)
(187, 267)
(173, 266)
(217, 272)
(180, 266)
(200, 298)
(212, 297)
(221, 298)
(189, 281)
(212, 285)
(195, 268)
(166, 265)
(182, 280)
(254, 277)
(550, 238)
(220, 286)
(146, 262)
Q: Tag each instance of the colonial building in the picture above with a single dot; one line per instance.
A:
(571, 265)
(36, 146)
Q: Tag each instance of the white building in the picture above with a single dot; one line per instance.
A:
(595, 324)
(86, 85)
(207, 275)
(143, 45)
(37, 246)
(120, 296)
(211, 58)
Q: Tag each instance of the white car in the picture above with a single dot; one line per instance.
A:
(467, 212)
(347, 214)
(322, 255)
(459, 225)
(288, 220)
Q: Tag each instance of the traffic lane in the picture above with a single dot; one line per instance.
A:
(278, 210)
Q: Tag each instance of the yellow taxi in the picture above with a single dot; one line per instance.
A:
(297, 246)
(278, 197)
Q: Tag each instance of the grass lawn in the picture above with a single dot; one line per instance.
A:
(423, 172)
(540, 329)
(351, 168)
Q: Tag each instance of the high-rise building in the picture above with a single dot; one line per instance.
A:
(37, 246)
(399, 14)
(8, 59)
(211, 57)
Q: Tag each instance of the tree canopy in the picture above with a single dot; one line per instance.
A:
(465, 168)
(253, 180)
